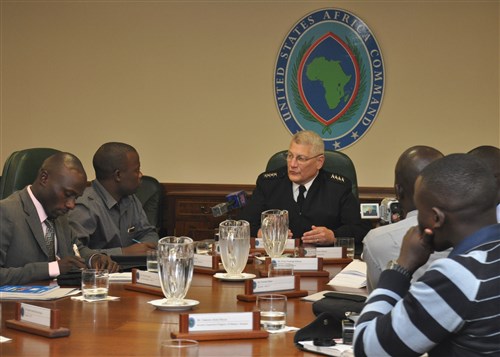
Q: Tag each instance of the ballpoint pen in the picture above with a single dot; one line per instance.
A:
(136, 241)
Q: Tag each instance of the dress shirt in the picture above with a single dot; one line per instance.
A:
(383, 244)
(53, 266)
(106, 225)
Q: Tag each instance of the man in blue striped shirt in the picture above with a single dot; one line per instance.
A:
(454, 308)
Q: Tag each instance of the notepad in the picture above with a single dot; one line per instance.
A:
(25, 292)
(352, 276)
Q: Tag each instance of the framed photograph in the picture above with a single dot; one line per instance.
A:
(370, 210)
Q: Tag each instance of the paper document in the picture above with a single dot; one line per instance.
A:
(317, 296)
(120, 277)
(329, 351)
(352, 276)
(53, 294)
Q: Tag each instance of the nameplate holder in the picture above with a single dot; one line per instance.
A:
(220, 326)
(301, 266)
(207, 264)
(279, 284)
(331, 252)
(257, 244)
(145, 282)
(38, 321)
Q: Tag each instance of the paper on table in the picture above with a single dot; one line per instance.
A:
(51, 295)
(120, 277)
(352, 276)
(329, 351)
(317, 296)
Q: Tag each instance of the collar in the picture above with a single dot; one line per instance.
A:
(108, 200)
(42, 215)
(484, 235)
(307, 185)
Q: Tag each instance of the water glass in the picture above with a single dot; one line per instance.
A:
(179, 348)
(272, 309)
(348, 243)
(274, 227)
(234, 244)
(152, 261)
(95, 284)
(175, 263)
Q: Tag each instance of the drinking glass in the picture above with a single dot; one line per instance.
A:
(274, 227)
(179, 348)
(272, 309)
(348, 243)
(175, 263)
(95, 284)
(234, 243)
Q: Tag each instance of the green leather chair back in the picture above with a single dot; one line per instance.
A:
(21, 168)
(150, 193)
(335, 162)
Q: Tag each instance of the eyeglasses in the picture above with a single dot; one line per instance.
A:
(300, 159)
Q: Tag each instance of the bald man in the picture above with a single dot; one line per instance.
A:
(383, 244)
(491, 157)
(26, 254)
(453, 309)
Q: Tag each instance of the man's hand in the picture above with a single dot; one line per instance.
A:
(319, 236)
(416, 248)
(70, 262)
(139, 248)
(102, 261)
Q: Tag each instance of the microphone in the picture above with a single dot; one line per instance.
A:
(234, 200)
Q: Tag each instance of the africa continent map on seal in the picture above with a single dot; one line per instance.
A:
(332, 78)
(329, 77)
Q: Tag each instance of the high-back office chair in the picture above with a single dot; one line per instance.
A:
(335, 162)
(21, 168)
(150, 193)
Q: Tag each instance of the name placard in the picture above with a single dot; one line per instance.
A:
(274, 284)
(234, 321)
(290, 244)
(35, 314)
(203, 260)
(329, 252)
(147, 278)
(297, 263)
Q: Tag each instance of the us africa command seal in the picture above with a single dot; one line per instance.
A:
(329, 77)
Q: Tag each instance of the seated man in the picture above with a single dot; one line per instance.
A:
(329, 208)
(383, 244)
(453, 309)
(491, 156)
(109, 217)
(36, 241)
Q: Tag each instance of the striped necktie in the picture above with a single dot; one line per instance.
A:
(50, 235)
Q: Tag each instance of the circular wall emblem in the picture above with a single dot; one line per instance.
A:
(329, 77)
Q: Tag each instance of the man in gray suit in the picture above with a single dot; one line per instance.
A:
(36, 241)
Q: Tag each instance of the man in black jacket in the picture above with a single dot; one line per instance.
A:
(328, 208)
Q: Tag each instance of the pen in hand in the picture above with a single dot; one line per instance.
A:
(76, 251)
(136, 241)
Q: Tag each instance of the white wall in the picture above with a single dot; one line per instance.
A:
(190, 84)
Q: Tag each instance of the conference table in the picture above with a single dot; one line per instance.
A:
(131, 326)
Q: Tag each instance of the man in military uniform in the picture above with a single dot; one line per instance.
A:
(328, 208)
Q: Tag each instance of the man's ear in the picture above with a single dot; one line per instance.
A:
(117, 175)
(438, 217)
(43, 177)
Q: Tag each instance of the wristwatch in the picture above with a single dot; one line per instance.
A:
(393, 265)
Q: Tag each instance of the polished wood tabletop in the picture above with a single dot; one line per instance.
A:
(132, 327)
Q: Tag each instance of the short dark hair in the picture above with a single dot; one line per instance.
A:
(110, 157)
(459, 182)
